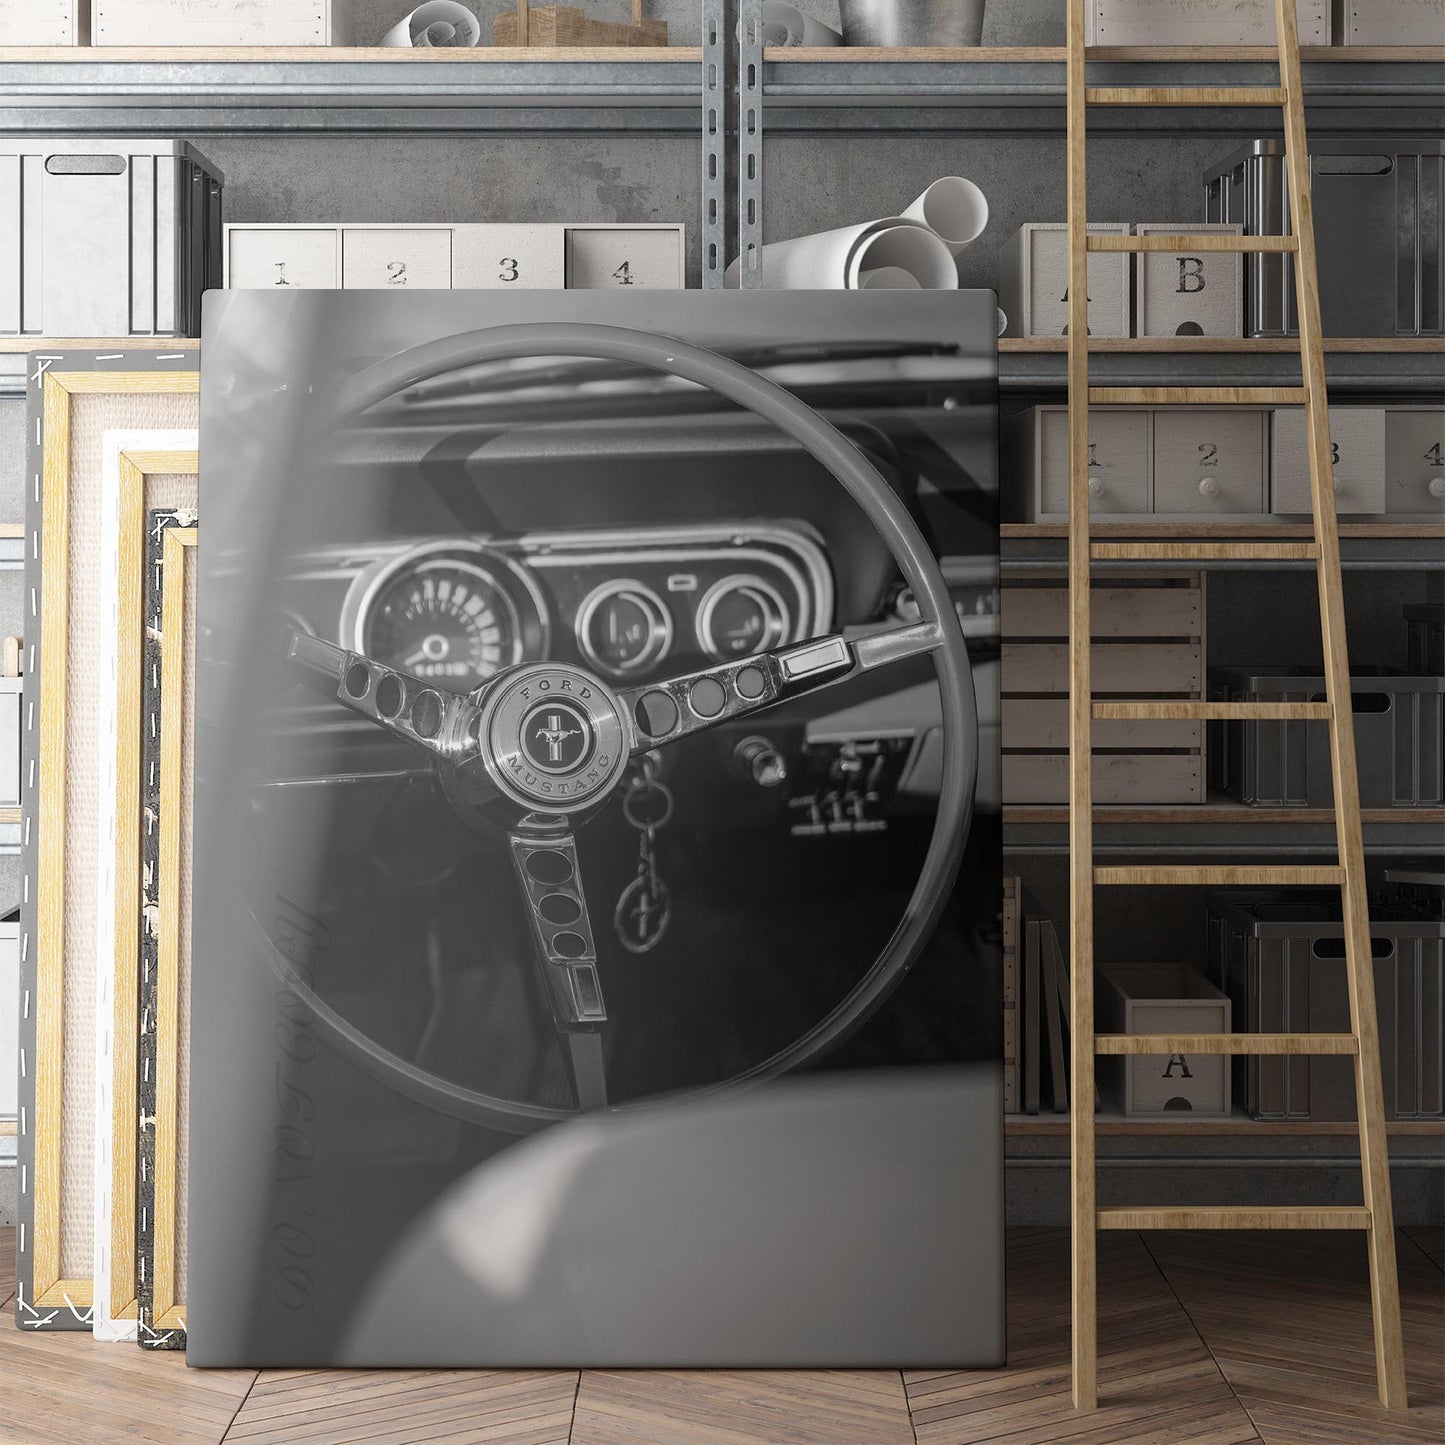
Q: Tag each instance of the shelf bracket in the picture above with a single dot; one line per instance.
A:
(714, 143)
(750, 144)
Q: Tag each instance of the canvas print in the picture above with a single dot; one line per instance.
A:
(595, 950)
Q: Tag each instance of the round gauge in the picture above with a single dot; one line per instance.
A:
(623, 627)
(451, 613)
(739, 617)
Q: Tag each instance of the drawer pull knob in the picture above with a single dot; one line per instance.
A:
(1436, 486)
(1208, 487)
(1096, 486)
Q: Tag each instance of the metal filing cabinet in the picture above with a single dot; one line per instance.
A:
(106, 237)
(1415, 460)
(1357, 443)
(1209, 462)
(1377, 212)
(1033, 285)
(1037, 446)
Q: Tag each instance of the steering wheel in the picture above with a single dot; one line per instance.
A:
(539, 748)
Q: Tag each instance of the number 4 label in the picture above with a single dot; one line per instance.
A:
(623, 274)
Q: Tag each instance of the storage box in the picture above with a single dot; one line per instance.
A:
(221, 22)
(1377, 216)
(1357, 448)
(1036, 455)
(9, 1037)
(641, 256)
(1415, 460)
(106, 237)
(1425, 637)
(1281, 959)
(1200, 22)
(462, 257)
(1149, 998)
(1399, 739)
(44, 22)
(1033, 287)
(1209, 462)
(1389, 22)
(1188, 293)
(1148, 642)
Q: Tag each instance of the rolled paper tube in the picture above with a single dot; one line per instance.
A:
(1002, 321)
(904, 246)
(834, 260)
(954, 209)
(888, 278)
(437, 25)
(786, 25)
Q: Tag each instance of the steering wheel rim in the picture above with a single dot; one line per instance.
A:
(847, 464)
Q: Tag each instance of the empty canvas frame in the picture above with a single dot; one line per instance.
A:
(164, 930)
(75, 400)
(143, 471)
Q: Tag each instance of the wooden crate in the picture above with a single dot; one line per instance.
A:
(552, 26)
(1148, 635)
(1012, 901)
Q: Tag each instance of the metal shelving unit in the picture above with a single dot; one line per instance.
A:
(1021, 91)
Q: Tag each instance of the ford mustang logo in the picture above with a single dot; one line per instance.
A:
(556, 737)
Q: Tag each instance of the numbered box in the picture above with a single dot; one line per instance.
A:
(1037, 444)
(1357, 446)
(54, 22)
(1389, 22)
(1033, 287)
(375, 258)
(1189, 293)
(500, 258)
(221, 22)
(273, 257)
(1415, 459)
(1202, 22)
(614, 255)
(1208, 462)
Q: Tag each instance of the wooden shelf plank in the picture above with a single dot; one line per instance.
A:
(1026, 1126)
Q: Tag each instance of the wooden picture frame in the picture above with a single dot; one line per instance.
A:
(75, 397)
(143, 470)
(160, 927)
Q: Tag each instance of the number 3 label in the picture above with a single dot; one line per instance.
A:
(509, 271)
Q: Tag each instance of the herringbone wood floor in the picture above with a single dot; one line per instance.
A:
(1205, 1340)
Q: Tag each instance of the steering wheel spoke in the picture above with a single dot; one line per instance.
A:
(565, 950)
(663, 712)
(405, 706)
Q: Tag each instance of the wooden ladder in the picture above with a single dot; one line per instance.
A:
(1376, 1217)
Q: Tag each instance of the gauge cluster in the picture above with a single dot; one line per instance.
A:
(630, 605)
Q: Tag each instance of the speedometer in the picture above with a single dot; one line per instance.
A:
(448, 613)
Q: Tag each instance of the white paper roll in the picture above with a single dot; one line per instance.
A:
(439, 24)
(1002, 321)
(835, 260)
(785, 24)
(954, 209)
(888, 278)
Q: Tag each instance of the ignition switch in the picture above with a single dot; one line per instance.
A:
(758, 759)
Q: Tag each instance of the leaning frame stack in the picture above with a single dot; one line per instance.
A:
(1363, 1043)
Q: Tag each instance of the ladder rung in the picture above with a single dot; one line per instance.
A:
(1198, 395)
(1213, 1216)
(1157, 711)
(1226, 876)
(1185, 95)
(1205, 551)
(1266, 1044)
(1186, 241)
